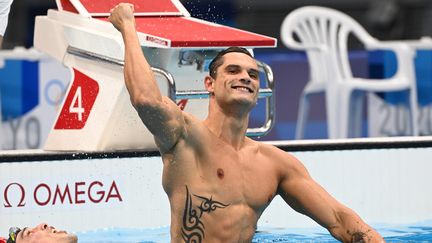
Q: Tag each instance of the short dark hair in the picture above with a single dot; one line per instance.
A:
(218, 60)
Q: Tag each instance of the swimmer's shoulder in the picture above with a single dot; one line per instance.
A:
(195, 130)
(270, 150)
(285, 164)
(191, 119)
(276, 154)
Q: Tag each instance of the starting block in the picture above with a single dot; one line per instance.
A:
(96, 114)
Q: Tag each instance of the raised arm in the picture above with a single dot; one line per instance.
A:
(304, 195)
(160, 115)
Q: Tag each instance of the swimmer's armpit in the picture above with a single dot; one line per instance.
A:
(193, 227)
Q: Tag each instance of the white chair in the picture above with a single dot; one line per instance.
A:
(323, 34)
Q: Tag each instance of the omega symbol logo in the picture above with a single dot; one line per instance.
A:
(21, 203)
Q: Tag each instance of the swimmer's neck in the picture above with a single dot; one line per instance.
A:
(229, 128)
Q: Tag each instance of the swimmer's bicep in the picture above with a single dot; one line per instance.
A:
(303, 194)
(306, 196)
(165, 121)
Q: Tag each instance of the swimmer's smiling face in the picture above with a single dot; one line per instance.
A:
(236, 81)
(43, 233)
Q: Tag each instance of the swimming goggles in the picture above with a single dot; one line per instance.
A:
(13, 233)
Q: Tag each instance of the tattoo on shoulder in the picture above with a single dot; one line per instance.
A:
(193, 227)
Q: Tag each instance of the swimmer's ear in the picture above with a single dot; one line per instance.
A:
(209, 84)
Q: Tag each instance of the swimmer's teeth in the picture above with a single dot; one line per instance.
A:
(243, 89)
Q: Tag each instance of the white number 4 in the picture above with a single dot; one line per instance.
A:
(76, 104)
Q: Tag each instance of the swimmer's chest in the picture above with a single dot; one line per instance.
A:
(238, 176)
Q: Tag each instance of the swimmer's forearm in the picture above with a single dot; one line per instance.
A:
(369, 236)
(138, 75)
(359, 236)
(375, 237)
(352, 229)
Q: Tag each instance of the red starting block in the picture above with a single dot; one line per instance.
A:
(96, 114)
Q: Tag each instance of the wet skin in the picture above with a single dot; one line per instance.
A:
(43, 233)
(217, 180)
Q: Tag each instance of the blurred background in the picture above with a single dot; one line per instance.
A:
(384, 19)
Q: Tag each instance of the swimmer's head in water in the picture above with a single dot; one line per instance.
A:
(41, 233)
(218, 60)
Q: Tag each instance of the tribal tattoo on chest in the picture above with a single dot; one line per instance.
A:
(193, 227)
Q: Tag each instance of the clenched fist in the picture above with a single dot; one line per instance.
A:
(122, 15)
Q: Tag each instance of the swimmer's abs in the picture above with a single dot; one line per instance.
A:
(214, 233)
(205, 218)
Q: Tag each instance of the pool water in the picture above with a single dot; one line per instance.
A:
(413, 233)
